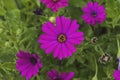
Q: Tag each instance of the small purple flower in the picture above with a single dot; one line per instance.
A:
(116, 75)
(28, 64)
(60, 39)
(94, 13)
(38, 11)
(55, 4)
(119, 64)
(54, 75)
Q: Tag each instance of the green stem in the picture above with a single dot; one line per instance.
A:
(118, 54)
(93, 29)
(101, 50)
(92, 0)
(35, 78)
(60, 65)
(96, 72)
(96, 66)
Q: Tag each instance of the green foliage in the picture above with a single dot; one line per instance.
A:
(20, 29)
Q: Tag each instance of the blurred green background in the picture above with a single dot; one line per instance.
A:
(20, 29)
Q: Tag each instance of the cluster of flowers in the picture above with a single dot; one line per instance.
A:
(60, 40)
(29, 65)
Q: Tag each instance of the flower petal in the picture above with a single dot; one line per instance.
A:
(51, 48)
(46, 45)
(25, 72)
(52, 74)
(65, 51)
(47, 37)
(74, 41)
(57, 51)
(23, 67)
(76, 35)
(21, 53)
(70, 46)
(73, 27)
(49, 28)
(69, 76)
(59, 24)
(86, 10)
(67, 25)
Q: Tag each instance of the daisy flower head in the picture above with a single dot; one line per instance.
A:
(54, 75)
(28, 64)
(94, 13)
(60, 39)
(55, 5)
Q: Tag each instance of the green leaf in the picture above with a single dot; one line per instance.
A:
(2, 11)
(77, 3)
(8, 66)
(95, 76)
(118, 54)
(10, 5)
(38, 3)
(70, 61)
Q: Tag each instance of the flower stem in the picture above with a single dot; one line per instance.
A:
(93, 29)
(60, 65)
(101, 50)
(118, 43)
(35, 78)
(96, 72)
(92, 0)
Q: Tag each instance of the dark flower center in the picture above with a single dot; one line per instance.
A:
(55, 1)
(93, 13)
(33, 60)
(62, 38)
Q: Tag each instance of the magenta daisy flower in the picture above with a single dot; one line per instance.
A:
(55, 4)
(116, 75)
(54, 75)
(94, 13)
(28, 64)
(60, 39)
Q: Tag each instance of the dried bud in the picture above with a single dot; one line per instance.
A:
(105, 58)
(94, 39)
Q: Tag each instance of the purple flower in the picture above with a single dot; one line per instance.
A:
(94, 13)
(116, 75)
(38, 11)
(119, 64)
(55, 4)
(54, 75)
(28, 64)
(60, 39)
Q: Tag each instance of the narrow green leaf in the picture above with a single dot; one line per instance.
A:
(38, 3)
(118, 54)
